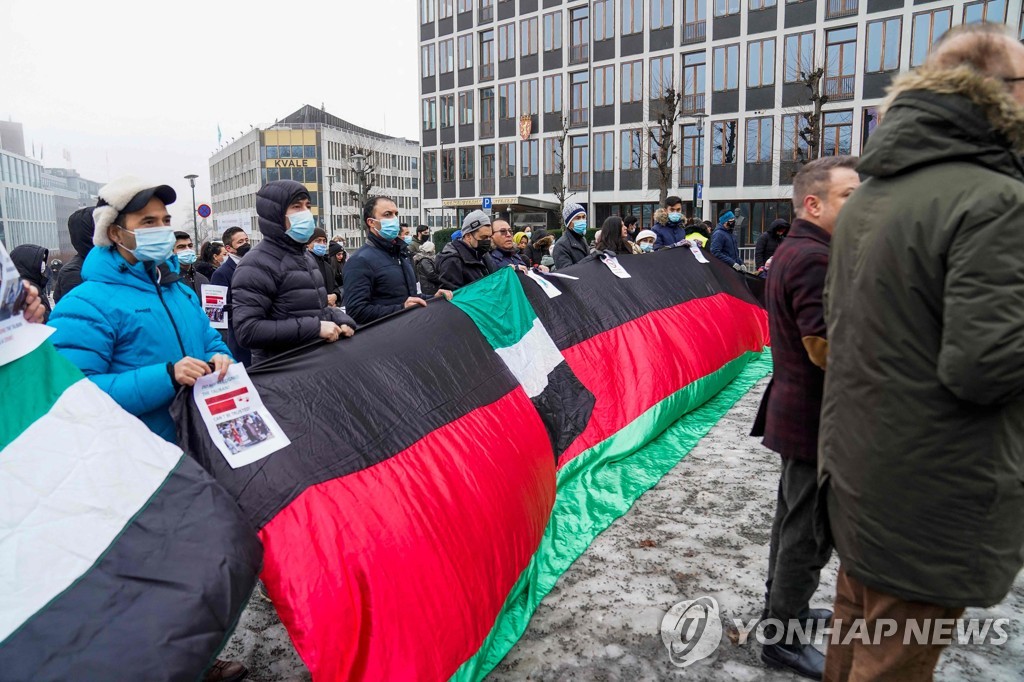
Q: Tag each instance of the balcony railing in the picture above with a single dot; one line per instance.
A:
(579, 54)
(839, 87)
(487, 72)
(840, 8)
(578, 181)
(691, 104)
(579, 117)
(695, 32)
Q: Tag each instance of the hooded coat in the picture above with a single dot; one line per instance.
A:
(80, 227)
(535, 251)
(124, 324)
(278, 297)
(31, 263)
(769, 241)
(723, 246)
(459, 264)
(922, 423)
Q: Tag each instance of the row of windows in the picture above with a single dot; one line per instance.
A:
(238, 159)
(234, 182)
(763, 58)
(295, 151)
(19, 171)
(442, 56)
(757, 140)
(20, 204)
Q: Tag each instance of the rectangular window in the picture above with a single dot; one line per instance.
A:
(429, 168)
(552, 31)
(694, 21)
(465, 6)
(870, 123)
(579, 163)
(507, 100)
(529, 158)
(466, 51)
(727, 68)
(928, 27)
(447, 105)
(631, 144)
(448, 165)
(993, 12)
(528, 37)
(761, 63)
(694, 70)
(487, 162)
(487, 55)
(604, 19)
(528, 97)
(466, 163)
(604, 86)
(723, 143)
(883, 48)
(428, 64)
(444, 9)
(487, 112)
(755, 5)
(661, 76)
(486, 10)
(506, 42)
(447, 55)
(579, 35)
(632, 17)
(552, 156)
(840, 62)
(662, 14)
(553, 94)
(632, 81)
(429, 116)
(837, 133)
(426, 11)
(465, 108)
(794, 146)
(759, 140)
(507, 161)
(690, 156)
(724, 8)
(579, 102)
(604, 152)
(799, 58)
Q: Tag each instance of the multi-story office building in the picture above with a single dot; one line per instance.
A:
(27, 210)
(319, 150)
(70, 192)
(502, 79)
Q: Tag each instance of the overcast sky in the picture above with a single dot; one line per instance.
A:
(139, 88)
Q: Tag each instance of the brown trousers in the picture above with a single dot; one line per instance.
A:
(892, 658)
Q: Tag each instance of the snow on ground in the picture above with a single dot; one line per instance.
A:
(702, 531)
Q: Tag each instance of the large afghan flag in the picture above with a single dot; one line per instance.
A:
(120, 558)
(447, 465)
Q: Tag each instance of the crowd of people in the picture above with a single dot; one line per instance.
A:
(896, 408)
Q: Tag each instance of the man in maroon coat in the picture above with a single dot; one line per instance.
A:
(789, 414)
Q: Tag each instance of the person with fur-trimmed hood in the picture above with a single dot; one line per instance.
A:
(572, 247)
(922, 421)
(279, 297)
(539, 247)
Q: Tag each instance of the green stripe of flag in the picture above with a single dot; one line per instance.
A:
(499, 308)
(47, 374)
(602, 483)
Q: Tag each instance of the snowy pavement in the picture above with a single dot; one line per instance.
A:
(702, 531)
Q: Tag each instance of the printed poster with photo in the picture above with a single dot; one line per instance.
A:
(215, 300)
(18, 338)
(238, 423)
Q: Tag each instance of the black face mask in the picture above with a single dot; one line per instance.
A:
(483, 246)
(242, 250)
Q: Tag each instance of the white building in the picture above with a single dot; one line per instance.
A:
(28, 213)
(602, 66)
(315, 148)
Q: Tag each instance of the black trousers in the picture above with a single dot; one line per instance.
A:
(796, 556)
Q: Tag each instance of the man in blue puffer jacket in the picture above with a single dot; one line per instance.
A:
(723, 243)
(133, 326)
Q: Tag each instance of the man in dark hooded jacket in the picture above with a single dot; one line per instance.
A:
(723, 243)
(467, 259)
(80, 227)
(769, 241)
(31, 263)
(278, 297)
(922, 424)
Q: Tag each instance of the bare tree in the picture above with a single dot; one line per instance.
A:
(561, 188)
(666, 113)
(810, 131)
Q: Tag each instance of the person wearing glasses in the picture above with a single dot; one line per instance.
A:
(505, 253)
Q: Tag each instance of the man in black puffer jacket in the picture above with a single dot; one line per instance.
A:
(467, 259)
(278, 297)
(80, 227)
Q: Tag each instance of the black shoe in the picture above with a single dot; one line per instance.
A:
(816, 619)
(802, 659)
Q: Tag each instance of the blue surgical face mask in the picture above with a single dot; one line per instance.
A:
(675, 217)
(153, 244)
(320, 249)
(407, 239)
(647, 248)
(389, 228)
(302, 226)
(580, 227)
(187, 257)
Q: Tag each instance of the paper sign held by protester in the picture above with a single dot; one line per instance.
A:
(238, 423)
(547, 287)
(215, 300)
(613, 264)
(697, 254)
(18, 337)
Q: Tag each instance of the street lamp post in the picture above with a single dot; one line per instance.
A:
(359, 166)
(195, 222)
(699, 117)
